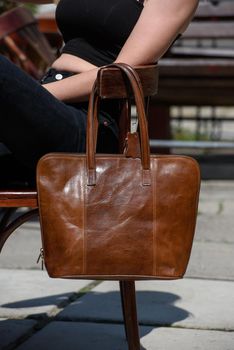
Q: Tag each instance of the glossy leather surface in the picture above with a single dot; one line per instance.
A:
(117, 227)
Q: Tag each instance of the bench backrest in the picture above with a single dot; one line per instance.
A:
(211, 33)
(23, 43)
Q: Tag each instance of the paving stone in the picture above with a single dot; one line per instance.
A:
(22, 248)
(77, 336)
(187, 339)
(203, 304)
(209, 207)
(211, 260)
(88, 336)
(11, 331)
(25, 293)
(228, 207)
(217, 190)
(215, 228)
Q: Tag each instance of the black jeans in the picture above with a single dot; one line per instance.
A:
(33, 122)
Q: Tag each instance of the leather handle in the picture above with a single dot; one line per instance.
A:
(92, 122)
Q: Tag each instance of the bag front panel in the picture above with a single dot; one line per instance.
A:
(119, 220)
(117, 227)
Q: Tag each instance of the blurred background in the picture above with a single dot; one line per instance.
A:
(193, 112)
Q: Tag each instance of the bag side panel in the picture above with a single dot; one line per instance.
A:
(177, 190)
(61, 205)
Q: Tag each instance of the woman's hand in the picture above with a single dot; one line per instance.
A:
(157, 27)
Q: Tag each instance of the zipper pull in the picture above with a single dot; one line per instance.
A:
(41, 257)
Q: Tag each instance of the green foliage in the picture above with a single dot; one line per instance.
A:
(31, 7)
(184, 134)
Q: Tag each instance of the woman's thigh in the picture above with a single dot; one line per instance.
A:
(32, 121)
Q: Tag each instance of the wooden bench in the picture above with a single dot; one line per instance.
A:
(23, 43)
(11, 200)
(192, 74)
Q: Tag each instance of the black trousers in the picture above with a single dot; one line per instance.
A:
(33, 122)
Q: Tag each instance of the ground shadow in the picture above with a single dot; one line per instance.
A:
(25, 335)
(154, 309)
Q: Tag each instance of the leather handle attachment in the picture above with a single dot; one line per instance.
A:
(92, 124)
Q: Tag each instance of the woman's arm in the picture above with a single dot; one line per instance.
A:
(159, 24)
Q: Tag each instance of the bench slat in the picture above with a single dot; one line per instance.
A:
(147, 74)
(210, 29)
(189, 67)
(18, 198)
(202, 51)
(223, 9)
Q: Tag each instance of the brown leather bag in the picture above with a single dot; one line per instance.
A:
(115, 217)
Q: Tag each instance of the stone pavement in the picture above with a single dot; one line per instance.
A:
(194, 313)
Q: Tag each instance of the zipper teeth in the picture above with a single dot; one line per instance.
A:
(42, 253)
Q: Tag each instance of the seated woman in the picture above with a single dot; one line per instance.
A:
(50, 116)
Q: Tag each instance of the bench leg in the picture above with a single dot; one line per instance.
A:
(6, 214)
(128, 298)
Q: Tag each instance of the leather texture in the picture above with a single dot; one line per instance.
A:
(117, 216)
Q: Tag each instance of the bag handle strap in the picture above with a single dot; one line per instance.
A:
(135, 84)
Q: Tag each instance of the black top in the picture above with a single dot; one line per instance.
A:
(96, 30)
